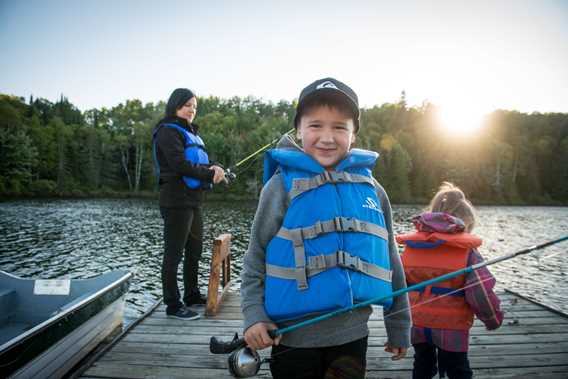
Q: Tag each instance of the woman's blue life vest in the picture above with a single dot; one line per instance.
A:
(332, 250)
(194, 153)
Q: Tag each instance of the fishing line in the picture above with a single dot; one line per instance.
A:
(546, 257)
(230, 171)
(246, 167)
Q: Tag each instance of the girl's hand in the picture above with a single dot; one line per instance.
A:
(397, 352)
(257, 337)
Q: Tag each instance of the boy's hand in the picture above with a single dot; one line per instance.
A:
(257, 337)
(397, 352)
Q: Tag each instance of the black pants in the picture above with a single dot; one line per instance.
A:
(183, 237)
(346, 361)
(429, 359)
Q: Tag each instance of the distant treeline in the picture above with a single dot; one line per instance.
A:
(53, 149)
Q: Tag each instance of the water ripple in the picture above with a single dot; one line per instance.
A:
(83, 238)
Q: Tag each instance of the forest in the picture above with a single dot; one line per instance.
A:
(55, 150)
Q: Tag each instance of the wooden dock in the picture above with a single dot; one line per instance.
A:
(533, 342)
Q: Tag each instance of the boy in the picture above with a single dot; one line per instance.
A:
(321, 240)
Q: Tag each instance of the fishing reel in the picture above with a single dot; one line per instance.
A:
(230, 176)
(244, 363)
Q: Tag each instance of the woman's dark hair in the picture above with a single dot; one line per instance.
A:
(177, 99)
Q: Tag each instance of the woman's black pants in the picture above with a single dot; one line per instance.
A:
(183, 238)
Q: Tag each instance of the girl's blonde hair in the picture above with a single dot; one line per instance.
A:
(450, 199)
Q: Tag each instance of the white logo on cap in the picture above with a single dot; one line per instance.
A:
(327, 84)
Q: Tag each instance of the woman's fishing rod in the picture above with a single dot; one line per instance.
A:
(219, 347)
(231, 175)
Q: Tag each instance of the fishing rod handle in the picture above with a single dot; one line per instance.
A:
(217, 346)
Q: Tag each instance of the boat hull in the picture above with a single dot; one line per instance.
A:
(52, 347)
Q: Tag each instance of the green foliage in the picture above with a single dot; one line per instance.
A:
(17, 158)
(43, 188)
(51, 149)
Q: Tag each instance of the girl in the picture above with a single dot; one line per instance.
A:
(443, 313)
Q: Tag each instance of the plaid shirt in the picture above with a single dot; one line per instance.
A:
(483, 302)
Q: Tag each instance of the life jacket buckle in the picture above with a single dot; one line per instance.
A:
(335, 177)
(340, 258)
(338, 222)
(346, 260)
(349, 224)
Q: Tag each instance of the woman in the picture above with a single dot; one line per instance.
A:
(184, 172)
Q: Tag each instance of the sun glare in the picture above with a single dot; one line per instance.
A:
(458, 120)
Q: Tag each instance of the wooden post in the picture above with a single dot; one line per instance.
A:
(220, 271)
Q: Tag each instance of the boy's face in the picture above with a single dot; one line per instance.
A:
(326, 135)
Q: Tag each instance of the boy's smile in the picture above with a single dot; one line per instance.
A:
(326, 135)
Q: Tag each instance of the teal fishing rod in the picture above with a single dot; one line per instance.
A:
(219, 347)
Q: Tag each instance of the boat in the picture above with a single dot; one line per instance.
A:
(48, 326)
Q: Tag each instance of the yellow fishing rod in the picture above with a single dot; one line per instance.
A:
(231, 175)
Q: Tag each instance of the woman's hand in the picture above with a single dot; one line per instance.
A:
(257, 337)
(219, 175)
(397, 352)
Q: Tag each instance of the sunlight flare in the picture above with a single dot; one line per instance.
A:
(460, 119)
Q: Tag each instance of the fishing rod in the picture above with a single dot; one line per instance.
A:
(245, 362)
(231, 175)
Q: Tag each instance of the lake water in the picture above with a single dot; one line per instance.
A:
(82, 238)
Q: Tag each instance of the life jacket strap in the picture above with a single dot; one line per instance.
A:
(300, 260)
(320, 263)
(299, 186)
(337, 224)
(199, 146)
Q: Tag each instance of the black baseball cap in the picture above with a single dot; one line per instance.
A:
(329, 86)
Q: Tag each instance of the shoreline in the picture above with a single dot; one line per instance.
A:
(225, 197)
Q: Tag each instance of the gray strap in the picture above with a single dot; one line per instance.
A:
(337, 224)
(300, 260)
(346, 260)
(300, 186)
(300, 272)
(321, 263)
(284, 272)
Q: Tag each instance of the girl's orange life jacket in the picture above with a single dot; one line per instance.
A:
(426, 256)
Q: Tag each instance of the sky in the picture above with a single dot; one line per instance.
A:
(466, 56)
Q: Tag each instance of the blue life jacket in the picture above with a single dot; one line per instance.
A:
(194, 152)
(332, 249)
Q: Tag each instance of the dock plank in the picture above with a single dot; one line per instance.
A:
(533, 342)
